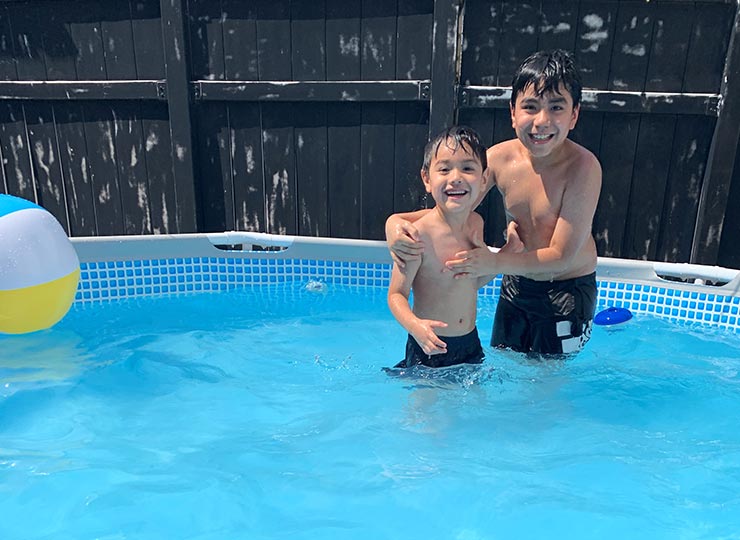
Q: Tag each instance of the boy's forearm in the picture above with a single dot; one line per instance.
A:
(401, 310)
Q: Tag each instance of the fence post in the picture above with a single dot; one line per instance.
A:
(721, 159)
(177, 72)
(445, 72)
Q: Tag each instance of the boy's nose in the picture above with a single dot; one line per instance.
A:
(542, 118)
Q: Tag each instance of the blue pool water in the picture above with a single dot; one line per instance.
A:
(265, 414)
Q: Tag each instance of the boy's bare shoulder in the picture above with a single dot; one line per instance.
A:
(583, 163)
(502, 150)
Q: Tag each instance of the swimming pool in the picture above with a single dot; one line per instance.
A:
(257, 408)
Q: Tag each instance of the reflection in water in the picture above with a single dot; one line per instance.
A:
(41, 357)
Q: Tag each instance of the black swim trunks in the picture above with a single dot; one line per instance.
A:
(546, 317)
(460, 350)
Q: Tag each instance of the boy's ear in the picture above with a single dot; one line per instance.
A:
(511, 111)
(574, 116)
(425, 178)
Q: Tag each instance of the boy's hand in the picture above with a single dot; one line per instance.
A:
(427, 339)
(473, 263)
(514, 244)
(403, 241)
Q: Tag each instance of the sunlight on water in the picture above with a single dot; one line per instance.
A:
(268, 415)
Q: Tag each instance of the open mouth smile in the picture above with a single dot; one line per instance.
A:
(539, 138)
(455, 193)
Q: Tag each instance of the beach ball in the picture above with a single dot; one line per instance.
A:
(39, 268)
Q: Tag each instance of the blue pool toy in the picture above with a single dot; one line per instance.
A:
(613, 315)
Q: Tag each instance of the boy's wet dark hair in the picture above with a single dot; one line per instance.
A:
(546, 70)
(456, 137)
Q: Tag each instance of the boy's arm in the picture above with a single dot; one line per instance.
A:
(402, 236)
(398, 302)
(572, 229)
(513, 244)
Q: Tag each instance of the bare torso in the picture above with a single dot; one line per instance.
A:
(437, 294)
(534, 199)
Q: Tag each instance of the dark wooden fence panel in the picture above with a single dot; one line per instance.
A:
(285, 116)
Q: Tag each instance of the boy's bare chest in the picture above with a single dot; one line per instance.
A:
(531, 196)
(437, 253)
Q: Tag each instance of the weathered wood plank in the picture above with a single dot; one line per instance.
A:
(240, 40)
(729, 254)
(414, 51)
(377, 167)
(118, 42)
(343, 40)
(214, 168)
(343, 134)
(146, 26)
(82, 90)
(8, 71)
(690, 148)
(596, 30)
(178, 96)
(308, 40)
(74, 163)
(27, 42)
(649, 180)
(102, 162)
(378, 40)
(312, 169)
(206, 40)
(411, 135)
(44, 147)
(559, 25)
(633, 32)
(720, 160)
(708, 46)
(670, 44)
(14, 147)
(442, 99)
(158, 155)
(273, 40)
(247, 167)
(58, 48)
(311, 90)
(87, 36)
(482, 42)
(617, 155)
(279, 166)
(522, 21)
(132, 174)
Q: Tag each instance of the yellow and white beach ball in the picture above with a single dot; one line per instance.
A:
(39, 268)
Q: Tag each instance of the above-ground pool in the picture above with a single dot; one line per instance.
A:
(200, 393)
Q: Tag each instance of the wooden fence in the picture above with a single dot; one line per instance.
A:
(309, 117)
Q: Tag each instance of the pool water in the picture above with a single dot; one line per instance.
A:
(265, 413)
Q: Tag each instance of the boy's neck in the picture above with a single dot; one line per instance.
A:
(455, 221)
(539, 162)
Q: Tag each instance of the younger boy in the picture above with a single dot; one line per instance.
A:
(550, 187)
(441, 325)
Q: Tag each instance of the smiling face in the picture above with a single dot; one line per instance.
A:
(542, 123)
(454, 178)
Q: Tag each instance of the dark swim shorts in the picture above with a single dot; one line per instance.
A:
(460, 350)
(546, 317)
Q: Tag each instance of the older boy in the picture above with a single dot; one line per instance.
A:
(550, 187)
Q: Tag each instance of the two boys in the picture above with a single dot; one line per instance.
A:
(550, 187)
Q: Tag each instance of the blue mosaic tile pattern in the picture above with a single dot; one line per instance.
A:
(131, 279)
